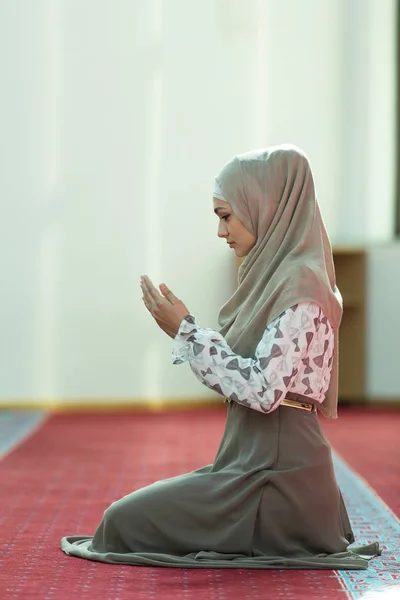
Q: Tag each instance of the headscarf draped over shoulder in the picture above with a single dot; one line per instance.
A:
(272, 192)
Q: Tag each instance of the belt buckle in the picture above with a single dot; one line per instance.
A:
(299, 404)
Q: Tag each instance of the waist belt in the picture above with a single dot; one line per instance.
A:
(299, 404)
(287, 402)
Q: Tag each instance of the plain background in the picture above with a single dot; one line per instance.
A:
(115, 115)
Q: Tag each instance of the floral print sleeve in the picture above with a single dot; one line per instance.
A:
(295, 353)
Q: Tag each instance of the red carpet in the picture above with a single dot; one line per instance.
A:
(62, 478)
(369, 441)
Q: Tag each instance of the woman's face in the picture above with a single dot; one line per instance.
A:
(232, 229)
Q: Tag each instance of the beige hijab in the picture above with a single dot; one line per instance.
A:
(272, 193)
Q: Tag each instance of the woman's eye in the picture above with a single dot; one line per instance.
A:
(226, 217)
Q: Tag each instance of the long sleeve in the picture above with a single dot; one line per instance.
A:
(261, 382)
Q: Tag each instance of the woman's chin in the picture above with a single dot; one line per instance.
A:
(238, 253)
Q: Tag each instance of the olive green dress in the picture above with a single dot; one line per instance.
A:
(270, 500)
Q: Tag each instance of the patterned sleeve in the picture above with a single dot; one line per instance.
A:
(261, 382)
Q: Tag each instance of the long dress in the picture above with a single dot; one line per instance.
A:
(270, 498)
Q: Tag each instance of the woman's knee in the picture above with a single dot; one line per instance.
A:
(125, 509)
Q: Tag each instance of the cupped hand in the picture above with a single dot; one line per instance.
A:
(166, 309)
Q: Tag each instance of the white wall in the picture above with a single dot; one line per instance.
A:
(368, 122)
(331, 89)
(114, 118)
(383, 309)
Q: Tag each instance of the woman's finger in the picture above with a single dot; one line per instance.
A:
(146, 303)
(153, 292)
(168, 331)
(146, 294)
(168, 295)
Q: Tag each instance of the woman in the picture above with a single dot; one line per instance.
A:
(270, 499)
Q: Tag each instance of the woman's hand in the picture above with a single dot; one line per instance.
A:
(167, 310)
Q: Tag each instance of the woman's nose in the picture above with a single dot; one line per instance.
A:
(222, 232)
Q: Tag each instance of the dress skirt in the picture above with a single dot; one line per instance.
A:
(270, 500)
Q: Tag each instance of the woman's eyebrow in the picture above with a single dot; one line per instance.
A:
(219, 208)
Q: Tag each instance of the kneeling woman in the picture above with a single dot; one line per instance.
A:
(270, 499)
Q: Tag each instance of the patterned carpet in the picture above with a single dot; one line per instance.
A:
(61, 478)
(15, 426)
(369, 441)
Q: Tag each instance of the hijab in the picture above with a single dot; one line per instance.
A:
(272, 192)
